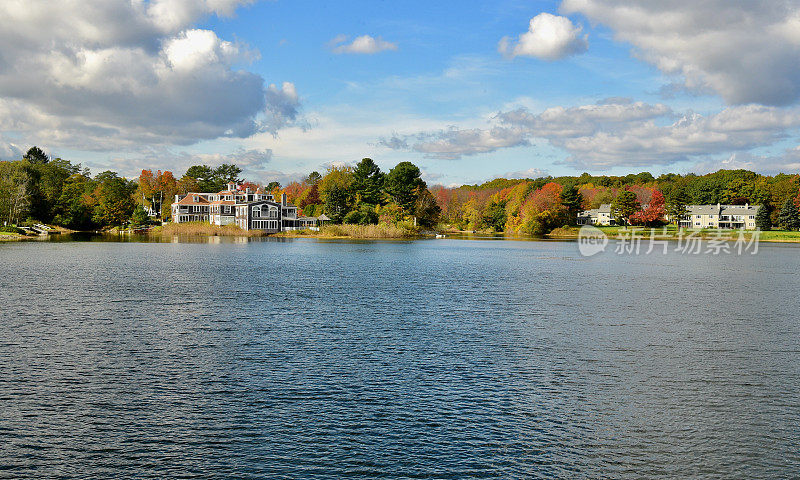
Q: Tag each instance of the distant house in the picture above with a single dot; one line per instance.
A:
(697, 216)
(248, 209)
(720, 216)
(596, 216)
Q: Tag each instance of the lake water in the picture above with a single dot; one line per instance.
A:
(421, 359)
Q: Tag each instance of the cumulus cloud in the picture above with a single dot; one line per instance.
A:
(98, 75)
(9, 151)
(744, 51)
(453, 143)
(365, 45)
(786, 162)
(253, 162)
(615, 132)
(549, 37)
(529, 173)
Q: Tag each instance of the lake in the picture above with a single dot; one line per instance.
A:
(266, 358)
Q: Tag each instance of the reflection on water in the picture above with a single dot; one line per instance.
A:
(279, 358)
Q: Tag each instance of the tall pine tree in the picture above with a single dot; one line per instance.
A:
(789, 219)
(763, 220)
(573, 200)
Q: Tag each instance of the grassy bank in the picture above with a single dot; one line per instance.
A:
(673, 233)
(203, 228)
(354, 231)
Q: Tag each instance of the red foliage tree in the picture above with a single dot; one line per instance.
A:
(653, 214)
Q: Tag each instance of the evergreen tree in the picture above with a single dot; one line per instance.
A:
(139, 216)
(763, 220)
(36, 155)
(368, 182)
(789, 219)
(624, 206)
(404, 185)
(313, 178)
(676, 204)
(572, 200)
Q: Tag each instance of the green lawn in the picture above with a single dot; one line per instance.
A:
(672, 232)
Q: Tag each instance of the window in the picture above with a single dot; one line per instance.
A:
(697, 224)
(752, 217)
(698, 216)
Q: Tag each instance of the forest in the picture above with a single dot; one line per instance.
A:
(38, 188)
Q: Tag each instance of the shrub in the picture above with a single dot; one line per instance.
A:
(12, 229)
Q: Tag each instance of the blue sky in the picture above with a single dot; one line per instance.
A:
(279, 88)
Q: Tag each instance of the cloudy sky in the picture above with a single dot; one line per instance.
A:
(468, 90)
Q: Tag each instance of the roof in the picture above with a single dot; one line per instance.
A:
(722, 209)
(323, 217)
(189, 200)
(223, 202)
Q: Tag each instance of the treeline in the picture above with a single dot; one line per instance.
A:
(536, 206)
(56, 191)
(365, 195)
(38, 188)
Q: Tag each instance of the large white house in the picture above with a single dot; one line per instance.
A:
(720, 216)
(697, 216)
(248, 209)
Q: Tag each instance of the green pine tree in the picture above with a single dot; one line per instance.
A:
(676, 204)
(789, 219)
(139, 216)
(624, 206)
(763, 220)
(572, 200)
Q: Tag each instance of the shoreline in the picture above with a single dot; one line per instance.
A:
(384, 232)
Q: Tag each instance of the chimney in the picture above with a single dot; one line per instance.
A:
(283, 199)
(747, 205)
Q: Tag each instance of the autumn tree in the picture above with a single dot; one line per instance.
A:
(653, 214)
(335, 192)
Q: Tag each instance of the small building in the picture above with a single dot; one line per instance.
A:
(697, 216)
(596, 216)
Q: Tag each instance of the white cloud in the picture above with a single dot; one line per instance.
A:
(529, 173)
(745, 51)
(549, 37)
(452, 143)
(364, 44)
(253, 162)
(786, 162)
(615, 132)
(97, 75)
(9, 151)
